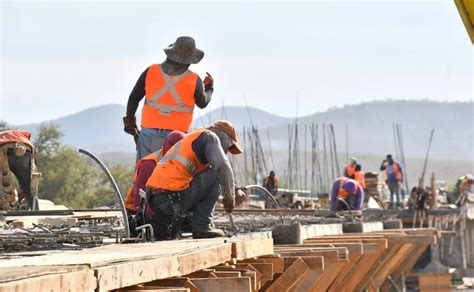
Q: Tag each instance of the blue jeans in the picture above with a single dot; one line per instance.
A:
(149, 141)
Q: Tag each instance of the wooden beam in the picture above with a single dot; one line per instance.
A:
(289, 277)
(223, 284)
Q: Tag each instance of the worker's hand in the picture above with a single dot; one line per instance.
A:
(229, 205)
(208, 81)
(240, 196)
(130, 127)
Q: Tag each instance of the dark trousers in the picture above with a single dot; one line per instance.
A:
(20, 166)
(170, 208)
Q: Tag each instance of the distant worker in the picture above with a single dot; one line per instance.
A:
(350, 169)
(143, 171)
(464, 190)
(171, 91)
(457, 186)
(270, 182)
(191, 177)
(17, 156)
(393, 178)
(350, 191)
(359, 176)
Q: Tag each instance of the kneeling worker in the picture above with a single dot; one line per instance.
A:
(191, 177)
(143, 171)
(349, 190)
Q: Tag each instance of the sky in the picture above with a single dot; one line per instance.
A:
(288, 58)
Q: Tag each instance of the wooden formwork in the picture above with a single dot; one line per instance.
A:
(348, 262)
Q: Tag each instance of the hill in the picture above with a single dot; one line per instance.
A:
(370, 127)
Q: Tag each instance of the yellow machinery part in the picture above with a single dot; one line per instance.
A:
(466, 10)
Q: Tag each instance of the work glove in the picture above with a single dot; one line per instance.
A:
(130, 127)
(208, 81)
(241, 196)
(229, 205)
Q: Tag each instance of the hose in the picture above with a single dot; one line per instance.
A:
(114, 186)
(266, 192)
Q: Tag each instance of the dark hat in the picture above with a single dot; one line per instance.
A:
(172, 138)
(228, 128)
(184, 51)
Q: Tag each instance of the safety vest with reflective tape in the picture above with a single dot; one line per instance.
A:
(169, 100)
(396, 169)
(129, 200)
(175, 171)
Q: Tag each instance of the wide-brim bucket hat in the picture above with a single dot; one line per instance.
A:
(184, 51)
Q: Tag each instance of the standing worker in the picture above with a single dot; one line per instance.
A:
(270, 182)
(17, 156)
(350, 191)
(359, 176)
(350, 169)
(464, 190)
(393, 178)
(171, 91)
(191, 177)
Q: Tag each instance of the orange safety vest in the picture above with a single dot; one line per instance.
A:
(129, 200)
(342, 192)
(169, 100)
(350, 170)
(359, 176)
(396, 169)
(175, 171)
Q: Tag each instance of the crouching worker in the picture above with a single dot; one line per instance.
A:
(350, 191)
(190, 178)
(143, 171)
(18, 156)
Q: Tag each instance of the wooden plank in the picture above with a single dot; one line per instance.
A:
(330, 275)
(227, 274)
(131, 273)
(252, 248)
(172, 283)
(71, 281)
(289, 277)
(223, 284)
(381, 275)
(276, 261)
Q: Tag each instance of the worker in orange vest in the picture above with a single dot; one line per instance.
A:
(359, 176)
(143, 171)
(350, 169)
(350, 191)
(393, 178)
(18, 156)
(171, 91)
(191, 177)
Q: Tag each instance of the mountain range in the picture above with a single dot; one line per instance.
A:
(369, 125)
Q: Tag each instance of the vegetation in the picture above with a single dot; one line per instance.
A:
(71, 179)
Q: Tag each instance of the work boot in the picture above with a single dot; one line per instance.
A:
(208, 233)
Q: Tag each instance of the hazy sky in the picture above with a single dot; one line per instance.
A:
(61, 57)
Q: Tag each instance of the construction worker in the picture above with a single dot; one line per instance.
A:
(143, 171)
(348, 190)
(191, 177)
(359, 175)
(270, 182)
(464, 190)
(457, 186)
(393, 178)
(349, 170)
(171, 91)
(17, 156)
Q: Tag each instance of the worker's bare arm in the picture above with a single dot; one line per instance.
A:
(137, 94)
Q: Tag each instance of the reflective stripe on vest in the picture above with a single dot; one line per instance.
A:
(173, 154)
(170, 82)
